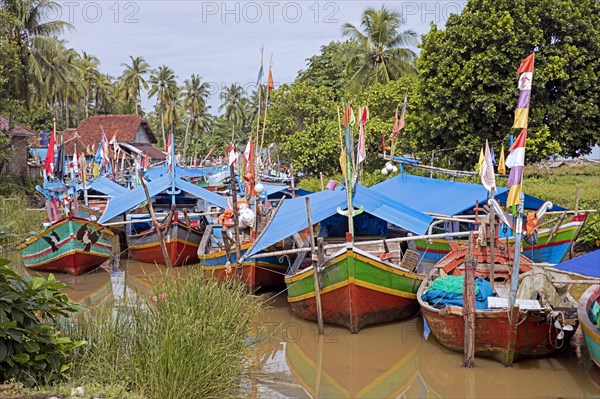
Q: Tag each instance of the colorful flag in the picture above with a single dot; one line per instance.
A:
(348, 116)
(516, 162)
(382, 141)
(249, 150)
(480, 162)
(270, 84)
(488, 179)
(48, 163)
(170, 152)
(399, 123)
(525, 81)
(362, 150)
(75, 162)
(232, 154)
(261, 71)
(502, 162)
(146, 161)
(114, 143)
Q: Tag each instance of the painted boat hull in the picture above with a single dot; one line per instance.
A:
(545, 251)
(71, 245)
(591, 333)
(358, 290)
(181, 241)
(263, 273)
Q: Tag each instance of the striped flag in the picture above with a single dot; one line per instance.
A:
(49, 162)
(525, 81)
(516, 162)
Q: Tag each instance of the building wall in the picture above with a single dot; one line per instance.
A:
(17, 166)
(142, 136)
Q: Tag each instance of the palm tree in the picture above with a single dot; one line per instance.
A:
(233, 104)
(133, 79)
(195, 94)
(381, 53)
(162, 81)
(33, 34)
(88, 65)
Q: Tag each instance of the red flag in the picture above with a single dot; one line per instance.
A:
(168, 145)
(347, 114)
(399, 123)
(382, 142)
(270, 84)
(50, 155)
(232, 154)
(526, 64)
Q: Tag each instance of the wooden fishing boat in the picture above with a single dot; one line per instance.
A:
(182, 239)
(358, 289)
(530, 329)
(591, 331)
(70, 245)
(552, 246)
(218, 263)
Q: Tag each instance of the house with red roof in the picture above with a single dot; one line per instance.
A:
(18, 142)
(132, 132)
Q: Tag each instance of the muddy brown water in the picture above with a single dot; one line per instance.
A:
(397, 360)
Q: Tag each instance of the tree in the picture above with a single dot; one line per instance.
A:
(88, 65)
(133, 79)
(382, 53)
(162, 83)
(303, 121)
(195, 93)
(233, 103)
(468, 84)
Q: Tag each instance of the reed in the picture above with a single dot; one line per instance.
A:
(191, 342)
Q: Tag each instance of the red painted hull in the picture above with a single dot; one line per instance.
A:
(534, 336)
(75, 263)
(179, 254)
(355, 307)
(254, 277)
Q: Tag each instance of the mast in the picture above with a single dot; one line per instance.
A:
(514, 281)
(349, 187)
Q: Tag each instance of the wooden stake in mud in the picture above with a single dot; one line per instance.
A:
(469, 307)
(314, 265)
(161, 238)
(235, 220)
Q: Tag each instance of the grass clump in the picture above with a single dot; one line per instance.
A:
(16, 222)
(191, 341)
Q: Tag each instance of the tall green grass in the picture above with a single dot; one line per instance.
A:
(192, 342)
(16, 222)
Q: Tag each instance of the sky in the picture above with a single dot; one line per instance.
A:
(221, 40)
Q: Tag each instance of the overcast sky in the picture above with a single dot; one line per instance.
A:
(221, 41)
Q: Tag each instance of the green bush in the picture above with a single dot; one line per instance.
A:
(32, 351)
(191, 341)
(590, 234)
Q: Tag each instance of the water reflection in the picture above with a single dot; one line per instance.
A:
(388, 361)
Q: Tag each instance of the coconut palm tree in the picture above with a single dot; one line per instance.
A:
(34, 36)
(133, 79)
(382, 53)
(162, 81)
(195, 93)
(88, 65)
(233, 103)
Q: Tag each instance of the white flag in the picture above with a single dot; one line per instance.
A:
(232, 154)
(488, 178)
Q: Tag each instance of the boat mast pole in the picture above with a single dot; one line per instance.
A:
(172, 171)
(492, 219)
(349, 189)
(517, 255)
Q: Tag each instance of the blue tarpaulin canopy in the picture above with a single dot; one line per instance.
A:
(133, 198)
(588, 264)
(282, 190)
(443, 197)
(291, 216)
(106, 186)
(155, 173)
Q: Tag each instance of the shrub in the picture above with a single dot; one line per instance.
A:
(32, 351)
(590, 234)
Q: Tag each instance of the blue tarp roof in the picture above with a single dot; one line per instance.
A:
(132, 198)
(155, 173)
(291, 216)
(282, 189)
(106, 186)
(443, 197)
(588, 264)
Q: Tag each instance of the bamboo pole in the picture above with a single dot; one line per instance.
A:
(315, 266)
(492, 218)
(233, 183)
(469, 306)
(322, 181)
(161, 239)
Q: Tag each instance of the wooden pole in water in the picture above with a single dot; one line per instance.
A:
(469, 307)
(233, 183)
(161, 239)
(314, 265)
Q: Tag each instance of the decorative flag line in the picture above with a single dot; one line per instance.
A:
(516, 162)
(525, 81)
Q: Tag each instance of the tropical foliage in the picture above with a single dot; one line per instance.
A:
(32, 351)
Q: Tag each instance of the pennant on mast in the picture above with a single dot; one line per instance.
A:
(525, 81)
(488, 178)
